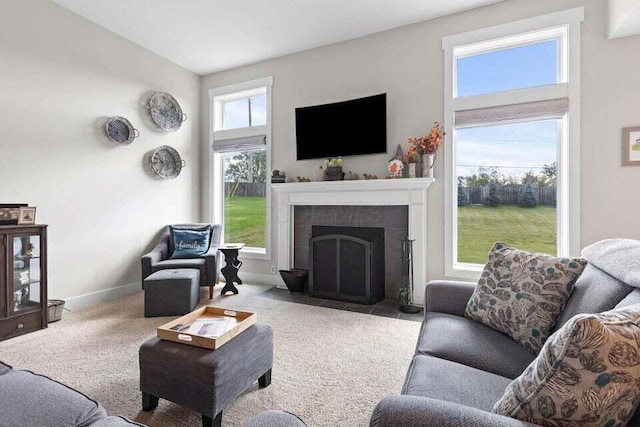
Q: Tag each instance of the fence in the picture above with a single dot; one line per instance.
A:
(510, 194)
(245, 189)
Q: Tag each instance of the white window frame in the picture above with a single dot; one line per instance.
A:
(217, 96)
(565, 27)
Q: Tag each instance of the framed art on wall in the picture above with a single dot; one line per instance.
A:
(631, 146)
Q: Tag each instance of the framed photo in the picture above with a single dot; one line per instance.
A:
(631, 146)
(9, 213)
(27, 215)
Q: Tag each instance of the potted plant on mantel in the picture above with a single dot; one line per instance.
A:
(426, 147)
(334, 169)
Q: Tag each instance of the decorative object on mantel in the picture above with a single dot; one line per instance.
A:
(350, 176)
(10, 212)
(426, 147)
(334, 169)
(320, 174)
(302, 179)
(405, 291)
(120, 130)
(396, 165)
(368, 176)
(166, 112)
(412, 162)
(166, 162)
(278, 177)
(631, 146)
(395, 168)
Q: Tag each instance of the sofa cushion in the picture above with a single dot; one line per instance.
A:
(594, 292)
(28, 399)
(587, 374)
(522, 294)
(461, 340)
(631, 299)
(198, 263)
(453, 382)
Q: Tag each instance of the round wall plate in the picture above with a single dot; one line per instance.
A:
(166, 162)
(120, 131)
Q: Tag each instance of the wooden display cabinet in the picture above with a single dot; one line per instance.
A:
(23, 279)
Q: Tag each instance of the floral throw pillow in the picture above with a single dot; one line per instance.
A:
(522, 294)
(587, 374)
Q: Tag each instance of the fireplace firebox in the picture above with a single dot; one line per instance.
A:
(347, 263)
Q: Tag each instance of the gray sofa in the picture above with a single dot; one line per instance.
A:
(461, 368)
(28, 399)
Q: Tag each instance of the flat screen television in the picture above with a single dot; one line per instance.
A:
(348, 128)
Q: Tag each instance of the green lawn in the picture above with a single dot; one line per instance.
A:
(479, 227)
(244, 221)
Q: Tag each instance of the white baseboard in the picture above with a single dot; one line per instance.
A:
(92, 298)
(262, 279)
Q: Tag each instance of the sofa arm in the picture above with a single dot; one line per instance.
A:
(447, 296)
(411, 411)
(157, 254)
(211, 261)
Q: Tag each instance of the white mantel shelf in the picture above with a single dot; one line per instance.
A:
(411, 192)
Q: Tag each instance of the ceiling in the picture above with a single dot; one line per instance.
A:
(207, 36)
(624, 18)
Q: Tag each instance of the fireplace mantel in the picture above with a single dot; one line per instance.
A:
(411, 192)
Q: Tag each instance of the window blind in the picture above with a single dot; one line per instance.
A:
(548, 109)
(248, 143)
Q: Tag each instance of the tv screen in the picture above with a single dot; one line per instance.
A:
(348, 128)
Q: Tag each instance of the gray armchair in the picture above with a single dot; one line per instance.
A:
(158, 258)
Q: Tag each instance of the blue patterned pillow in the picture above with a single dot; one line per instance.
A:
(189, 243)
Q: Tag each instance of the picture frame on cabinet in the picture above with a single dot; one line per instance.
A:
(10, 212)
(27, 215)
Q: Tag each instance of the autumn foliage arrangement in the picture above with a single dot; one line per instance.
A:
(427, 144)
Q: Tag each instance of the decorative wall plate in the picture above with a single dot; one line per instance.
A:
(120, 131)
(166, 112)
(166, 162)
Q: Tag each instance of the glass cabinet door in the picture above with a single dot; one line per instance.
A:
(26, 274)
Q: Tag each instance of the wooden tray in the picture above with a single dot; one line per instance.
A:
(240, 321)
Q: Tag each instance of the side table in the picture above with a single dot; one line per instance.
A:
(231, 267)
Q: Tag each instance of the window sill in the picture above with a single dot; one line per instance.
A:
(464, 271)
(255, 253)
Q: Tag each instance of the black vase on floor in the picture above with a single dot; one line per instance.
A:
(295, 279)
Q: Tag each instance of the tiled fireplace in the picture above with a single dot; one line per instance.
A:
(399, 205)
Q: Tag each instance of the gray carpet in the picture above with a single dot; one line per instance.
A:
(331, 367)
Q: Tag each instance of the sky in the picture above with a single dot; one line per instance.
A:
(515, 148)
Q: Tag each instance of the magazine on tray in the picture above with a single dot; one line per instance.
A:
(210, 327)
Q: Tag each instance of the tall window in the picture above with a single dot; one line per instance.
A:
(512, 124)
(241, 159)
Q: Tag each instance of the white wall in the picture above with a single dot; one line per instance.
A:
(60, 77)
(407, 64)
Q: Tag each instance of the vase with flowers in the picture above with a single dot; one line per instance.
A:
(412, 159)
(426, 147)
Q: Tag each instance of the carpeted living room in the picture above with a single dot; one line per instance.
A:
(319, 213)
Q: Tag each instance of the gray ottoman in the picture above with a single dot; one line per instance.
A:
(171, 292)
(205, 380)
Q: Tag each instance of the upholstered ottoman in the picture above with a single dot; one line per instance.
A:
(201, 379)
(171, 292)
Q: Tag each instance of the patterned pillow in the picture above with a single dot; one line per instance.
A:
(522, 294)
(587, 374)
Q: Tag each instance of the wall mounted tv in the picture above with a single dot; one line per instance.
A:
(348, 128)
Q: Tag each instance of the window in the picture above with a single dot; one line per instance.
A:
(512, 125)
(240, 161)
